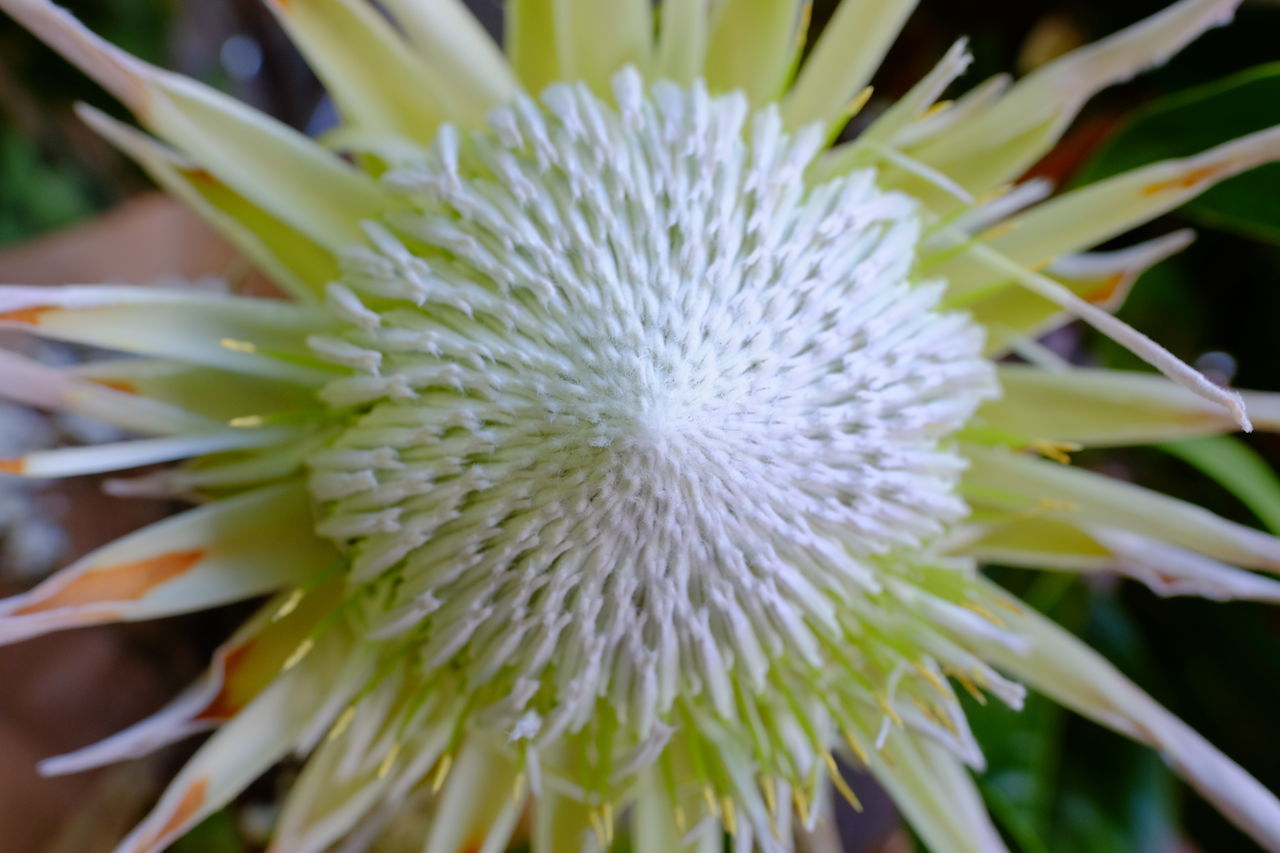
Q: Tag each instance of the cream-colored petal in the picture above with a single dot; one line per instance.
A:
(1119, 331)
(972, 103)
(936, 794)
(1019, 482)
(922, 96)
(1030, 540)
(1096, 213)
(531, 42)
(275, 167)
(1099, 407)
(242, 667)
(391, 149)
(562, 823)
(878, 141)
(261, 337)
(1062, 667)
(456, 48)
(201, 479)
(321, 809)
(1044, 543)
(226, 551)
(257, 737)
(1000, 143)
(1169, 570)
(845, 56)
(371, 762)
(296, 263)
(367, 67)
(994, 210)
(654, 826)
(119, 456)
(595, 40)
(682, 40)
(31, 383)
(754, 45)
(216, 396)
(470, 815)
(1013, 315)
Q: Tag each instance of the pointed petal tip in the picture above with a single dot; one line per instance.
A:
(25, 316)
(122, 746)
(188, 805)
(1195, 174)
(1239, 411)
(122, 582)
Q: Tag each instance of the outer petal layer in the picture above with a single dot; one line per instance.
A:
(227, 551)
(242, 668)
(998, 144)
(936, 793)
(255, 739)
(295, 262)
(255, 336)
(1023, 483)
(1104, 408)
(1062, 667)
(34, 384)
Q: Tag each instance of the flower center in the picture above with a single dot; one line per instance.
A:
(633, 408)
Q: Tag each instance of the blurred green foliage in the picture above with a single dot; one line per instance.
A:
(1239, 469)
(215, 834)
(52, 171)
(36, 196)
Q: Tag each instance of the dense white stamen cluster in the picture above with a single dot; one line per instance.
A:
(635, 414)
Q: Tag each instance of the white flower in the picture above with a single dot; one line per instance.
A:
(620, 445)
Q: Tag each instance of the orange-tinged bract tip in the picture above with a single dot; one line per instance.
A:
(123, 582)
(226, 703)
(30, 316)
(1107, 288)
(1188, 181)
(192, 799)
(118, 385)
(200, 176)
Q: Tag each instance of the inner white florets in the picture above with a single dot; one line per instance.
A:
(634, 410)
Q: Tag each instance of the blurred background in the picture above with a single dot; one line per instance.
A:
(73, 210)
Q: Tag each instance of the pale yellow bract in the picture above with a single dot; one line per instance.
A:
(624, 452)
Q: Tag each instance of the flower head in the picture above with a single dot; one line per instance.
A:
(620, 444)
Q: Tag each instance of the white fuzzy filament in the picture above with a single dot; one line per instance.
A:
(635, 416)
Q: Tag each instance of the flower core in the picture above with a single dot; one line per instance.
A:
(634, 410)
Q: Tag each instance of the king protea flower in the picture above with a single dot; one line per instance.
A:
(624, 454)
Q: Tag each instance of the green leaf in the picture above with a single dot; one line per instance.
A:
(1198, 119)
(215, 834)
(37, 196)
(1237, 468)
